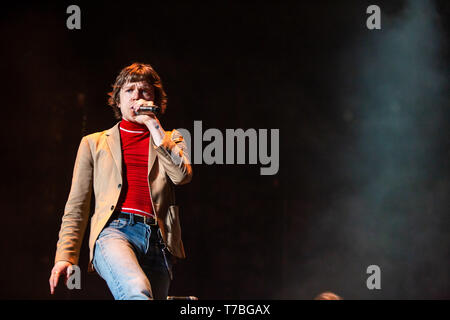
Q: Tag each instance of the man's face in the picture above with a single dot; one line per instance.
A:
(132, 92)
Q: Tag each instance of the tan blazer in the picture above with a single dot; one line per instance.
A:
(98, 167)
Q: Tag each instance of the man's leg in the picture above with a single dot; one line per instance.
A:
(116, 262)
(157, 265)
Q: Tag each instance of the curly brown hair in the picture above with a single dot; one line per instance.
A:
(134, 73)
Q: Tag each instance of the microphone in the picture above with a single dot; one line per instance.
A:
(143, 109)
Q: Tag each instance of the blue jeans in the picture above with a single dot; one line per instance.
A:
(133, 260)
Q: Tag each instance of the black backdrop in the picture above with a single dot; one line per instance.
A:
(291, 66)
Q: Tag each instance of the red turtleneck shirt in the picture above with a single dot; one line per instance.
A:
(135, 195)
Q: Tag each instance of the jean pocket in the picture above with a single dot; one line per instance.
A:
(118, 223)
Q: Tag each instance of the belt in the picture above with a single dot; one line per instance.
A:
(138, 218)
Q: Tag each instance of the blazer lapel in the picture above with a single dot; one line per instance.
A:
(113, 140)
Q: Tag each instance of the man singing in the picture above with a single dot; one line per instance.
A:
(132, 168)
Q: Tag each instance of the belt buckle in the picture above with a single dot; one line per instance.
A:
(147, 221)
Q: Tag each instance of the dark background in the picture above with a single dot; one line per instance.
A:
(363, 118)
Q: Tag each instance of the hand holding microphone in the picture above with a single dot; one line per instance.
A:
(144, 107)
(145, 112)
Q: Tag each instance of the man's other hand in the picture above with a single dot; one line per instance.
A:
(60, 268)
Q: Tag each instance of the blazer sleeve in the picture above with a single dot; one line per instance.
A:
(76, 212)
(174, 157)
